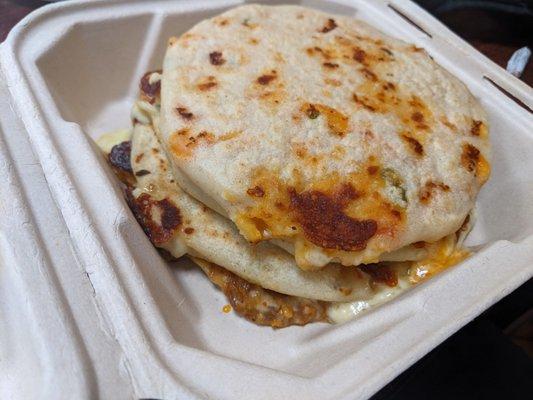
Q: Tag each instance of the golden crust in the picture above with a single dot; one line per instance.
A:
(318, 98)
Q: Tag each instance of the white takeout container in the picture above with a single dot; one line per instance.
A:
(88, 309)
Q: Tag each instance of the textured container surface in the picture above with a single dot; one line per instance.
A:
(89, 307)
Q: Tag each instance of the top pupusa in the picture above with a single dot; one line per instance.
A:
(322, 134)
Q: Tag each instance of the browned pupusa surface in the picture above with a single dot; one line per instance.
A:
(178, 223)
(261, 281)
(262, 306)
(318, 131)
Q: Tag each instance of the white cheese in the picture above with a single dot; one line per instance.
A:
(339, 313)
(108, 140)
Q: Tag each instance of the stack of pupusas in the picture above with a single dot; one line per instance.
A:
(310, 165)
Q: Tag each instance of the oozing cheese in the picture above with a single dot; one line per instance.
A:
(441, 255)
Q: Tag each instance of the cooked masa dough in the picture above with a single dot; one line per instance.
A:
(320, 133)
(159, 202)
(164, 211)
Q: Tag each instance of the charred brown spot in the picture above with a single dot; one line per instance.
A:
(347, 193)
(142, 172)
(316, 50)
(170, 218)
(189, 230)
(420, 122)
(387, 51)
(191, 141)
(119, 156)
(312, 112)
(359, 55)
(324, 222)
(150, 91)
(389, 86)
(330, 25)
(337, 122)
(184, 113)
(273, 97)
(362, 102)
(419, 113)
(448, 124)
(183, 141)
(416, 102)
(266, 79)
(426, 193)
(381, 273)
(246, 22)
(368, 134)
(477, 128)
(418, 117)
(209, 83)
(120, 160)
(372, 170)
(256, 191)
(369, 75)
(205, 136)
(330, 65)
(470, 157)
(414, 144)
(216, 58)
(143, 208)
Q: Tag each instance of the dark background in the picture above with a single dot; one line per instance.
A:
(492, 357)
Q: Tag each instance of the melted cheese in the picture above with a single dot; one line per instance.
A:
(108, 140)
(154, 78)
(482, 169)
(143, 112)
(272, 215)
(441, 255)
